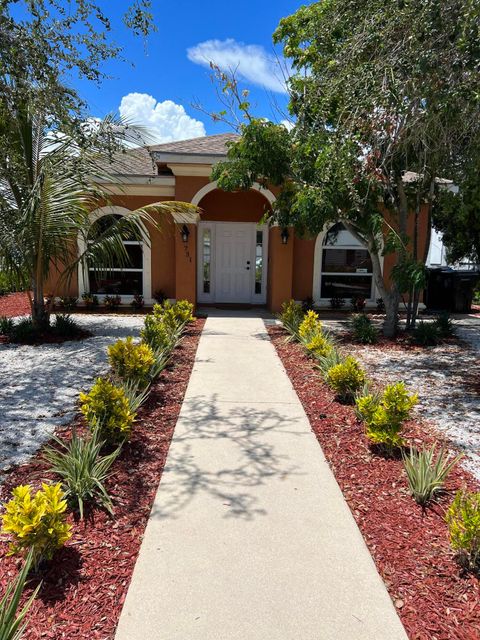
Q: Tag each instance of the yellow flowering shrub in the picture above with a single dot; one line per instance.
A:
(38, 521)
(384, 414)
(309, 327)
(346, 378)
(319, 346)
(131, 361)
(106, 406)
(463, 520)
(291, 316)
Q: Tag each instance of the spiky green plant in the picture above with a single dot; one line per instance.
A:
(329, 360)
(12, 621)
(134, 394)
(427, 472)
(82, 469)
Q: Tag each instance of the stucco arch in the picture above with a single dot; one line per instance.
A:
(211, 186)
(147, 253)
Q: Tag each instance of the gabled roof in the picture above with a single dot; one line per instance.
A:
(141, 161)
(207, 145)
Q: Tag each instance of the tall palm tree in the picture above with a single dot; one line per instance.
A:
(49, 184)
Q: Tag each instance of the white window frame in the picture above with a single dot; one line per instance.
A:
(83, 272)
(318, 270)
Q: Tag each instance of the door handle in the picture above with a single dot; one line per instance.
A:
(247, 268)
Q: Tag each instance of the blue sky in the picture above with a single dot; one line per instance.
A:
(170, 72)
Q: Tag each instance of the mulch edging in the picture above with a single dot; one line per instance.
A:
(410, 547)
(14, 304)
(85, 586)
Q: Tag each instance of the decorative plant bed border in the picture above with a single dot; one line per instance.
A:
(84, 587)
(410, 546)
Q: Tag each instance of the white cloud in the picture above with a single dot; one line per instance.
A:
(288, 124)
(251, 62)
(164, 121)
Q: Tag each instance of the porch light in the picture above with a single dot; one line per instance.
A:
(185, 232)
(284, 236)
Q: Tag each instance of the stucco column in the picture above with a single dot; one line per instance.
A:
(186, 264)
(280, 268)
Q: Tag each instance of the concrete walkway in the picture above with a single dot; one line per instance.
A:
(249, 537)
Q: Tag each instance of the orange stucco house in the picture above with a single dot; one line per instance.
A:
(222, 255)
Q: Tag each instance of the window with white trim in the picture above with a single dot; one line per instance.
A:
(346, 266)
(121, 279)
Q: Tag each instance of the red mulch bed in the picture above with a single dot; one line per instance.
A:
(84, 587)
(434, 599)
(14, 304)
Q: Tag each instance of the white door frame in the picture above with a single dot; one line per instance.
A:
(211, 226)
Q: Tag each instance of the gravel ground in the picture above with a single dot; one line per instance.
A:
(39, 385)
(446, 378)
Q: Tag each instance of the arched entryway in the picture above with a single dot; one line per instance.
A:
(232, 249)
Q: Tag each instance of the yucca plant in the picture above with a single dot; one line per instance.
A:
(329, 360)
(82, 469)
(427, 472)
(162, 357)
(134, 394)
(12, 621)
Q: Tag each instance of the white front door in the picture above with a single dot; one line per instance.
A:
(234, 266)
(232, 262)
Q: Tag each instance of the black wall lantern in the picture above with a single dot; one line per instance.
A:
(284, 235)
(185, 232)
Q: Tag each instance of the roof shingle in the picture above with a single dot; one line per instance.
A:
(207, 145)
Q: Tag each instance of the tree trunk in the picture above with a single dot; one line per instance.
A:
(390, 297)
(40, 313)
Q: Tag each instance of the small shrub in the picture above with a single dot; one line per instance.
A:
(66, 327)
(358, 304)
(160, 334)
(6, 326)
(319, 345)
(337, 303)
(291, 316)
(380, 305)
(445, 326)
(112, 302)
(90, 300)
(384, 414)
(346, 378)
(463, 520)
(37, 522)
(67, 303)
(426, 472)
(180, 312)
(426, 334)
(137, 302)
(131, 361)
(12, 624)
(308, 304)
(363, 329)
(107, 407)
(160, 296)
(329, 360)
(24, 332)
(82, 469)
(309, 327)
(7, 285)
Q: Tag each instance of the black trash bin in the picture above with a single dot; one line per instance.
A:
(450, 289)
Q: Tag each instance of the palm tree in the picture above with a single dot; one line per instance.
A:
(49, 183)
